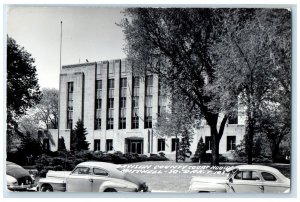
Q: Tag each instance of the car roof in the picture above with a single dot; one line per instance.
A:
(110, 167)
(260, 168)
(104, 165)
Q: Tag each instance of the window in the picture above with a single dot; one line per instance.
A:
(135, 103)
(123, 89)
(111, 69)
(123, 67)
(110, 104)
(109, 145)
(122, 123)
(96, 145)
(82, 171)
(135, 122)
(161, 104)
(70, 105)
(161, 144)
(207, 143)
(98, 70)
(268, 176)
(231, 140)
(110, 123)
(247, 175)
(175, 143)
(148, 101)
(233, 119)
(46, 144)
(99, 172)
(98, 104)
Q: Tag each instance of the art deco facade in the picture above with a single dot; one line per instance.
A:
(119, 110)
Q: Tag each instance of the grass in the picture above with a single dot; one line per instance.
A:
(162, 179)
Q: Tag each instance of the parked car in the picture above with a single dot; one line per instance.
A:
(242, 179)
(17, 178)
(92, 177)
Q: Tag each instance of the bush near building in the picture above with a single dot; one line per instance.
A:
(63, 160)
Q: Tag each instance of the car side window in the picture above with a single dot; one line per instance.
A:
(250, 175)
(82, 171)
(99, 172)
(238, 176)
(268, 176)
(247, 175)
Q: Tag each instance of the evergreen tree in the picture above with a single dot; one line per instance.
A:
(200, 151)
(78, 137)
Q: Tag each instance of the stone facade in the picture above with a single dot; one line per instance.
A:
(141, 140)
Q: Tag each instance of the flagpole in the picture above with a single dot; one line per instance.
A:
(60, 48)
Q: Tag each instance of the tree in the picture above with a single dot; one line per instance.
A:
(276, 128)
(78, 137)
(22, 86)
(47, 109)
(179, 123)
(174, 44)
(200, 151)
(254, 47)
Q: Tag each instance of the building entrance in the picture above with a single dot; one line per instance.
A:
(134, 145)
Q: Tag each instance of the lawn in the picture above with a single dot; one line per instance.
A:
(169, 176)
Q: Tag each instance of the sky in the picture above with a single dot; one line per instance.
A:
(87, 33)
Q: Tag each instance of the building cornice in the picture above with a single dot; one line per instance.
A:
(92, 63)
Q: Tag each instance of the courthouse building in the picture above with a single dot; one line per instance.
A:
(119, 110)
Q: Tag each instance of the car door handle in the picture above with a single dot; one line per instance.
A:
(261, 187)
(91, 180)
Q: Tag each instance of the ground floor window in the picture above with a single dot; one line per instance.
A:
(231, 143)
(96, 145)
(161, 144)
(46, 144)
(175, 143)
(109, 145)
(207, 143)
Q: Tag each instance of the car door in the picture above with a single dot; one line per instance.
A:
(272, 184)
(246, 182)
(80, 180)
(99, 177)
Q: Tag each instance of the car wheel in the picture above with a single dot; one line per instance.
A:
(46, 188)
(110, 190)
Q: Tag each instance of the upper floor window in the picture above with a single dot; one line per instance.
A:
(70, 105)
(98, 70)
(111, 69)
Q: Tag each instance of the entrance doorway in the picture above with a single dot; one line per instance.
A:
(134, 145)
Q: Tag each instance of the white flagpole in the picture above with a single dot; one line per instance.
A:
(59, 85)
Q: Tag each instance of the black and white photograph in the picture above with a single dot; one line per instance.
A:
(146, 100)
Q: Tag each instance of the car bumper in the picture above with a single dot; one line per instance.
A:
(20, 188)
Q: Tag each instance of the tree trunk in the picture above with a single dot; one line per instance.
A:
(275, 150)
(249, 141)
(215, 140)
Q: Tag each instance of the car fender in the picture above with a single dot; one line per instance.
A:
(117, 185)
(207, 187)
(57, 184)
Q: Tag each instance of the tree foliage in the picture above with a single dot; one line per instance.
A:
(178, 122)
(200, 151)
(253, 50)
(22, 85)
(174, 44)
(78, 139)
